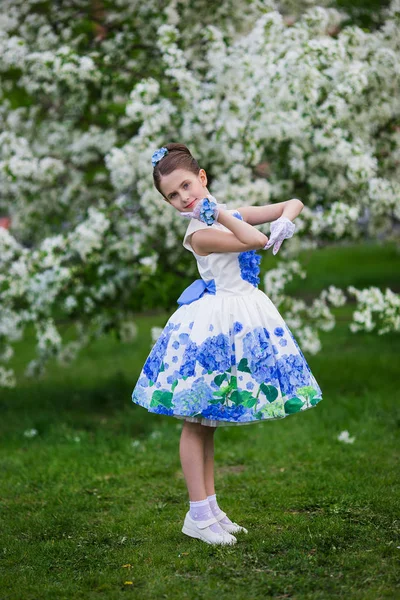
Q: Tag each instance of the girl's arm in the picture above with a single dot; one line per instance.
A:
(257, 215)
(245, 232)
(242, 236)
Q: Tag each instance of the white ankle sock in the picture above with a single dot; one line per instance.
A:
(216, 509)
(200, 511)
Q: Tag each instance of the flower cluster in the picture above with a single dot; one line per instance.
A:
(249, 263)
(330, 101)
(156, 356)
(257, 349)
(214, 353)
(158, 155)
(376, 310)
(207, 211)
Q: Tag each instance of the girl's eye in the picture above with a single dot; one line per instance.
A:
(172, 195)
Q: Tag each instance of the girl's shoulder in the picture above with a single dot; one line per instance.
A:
(194, 225)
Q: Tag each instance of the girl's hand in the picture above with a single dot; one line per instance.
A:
(206, 210)
(281, 229)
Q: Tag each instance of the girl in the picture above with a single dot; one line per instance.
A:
(225, 356)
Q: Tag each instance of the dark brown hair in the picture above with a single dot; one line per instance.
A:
(178, 157)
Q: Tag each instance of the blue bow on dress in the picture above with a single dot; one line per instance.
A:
(195, 290)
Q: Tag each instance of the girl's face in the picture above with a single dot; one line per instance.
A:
(183, 189)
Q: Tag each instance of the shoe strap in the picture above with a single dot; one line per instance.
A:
(205, 523)
(221, 515)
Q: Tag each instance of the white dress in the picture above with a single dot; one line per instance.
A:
(226, 355)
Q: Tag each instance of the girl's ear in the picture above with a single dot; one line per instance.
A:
(203, 177)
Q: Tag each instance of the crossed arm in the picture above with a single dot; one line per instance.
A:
(242, 236)
(257, 215)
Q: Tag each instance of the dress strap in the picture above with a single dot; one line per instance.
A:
(195, 290)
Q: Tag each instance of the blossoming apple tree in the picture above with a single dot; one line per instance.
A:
(272, 107)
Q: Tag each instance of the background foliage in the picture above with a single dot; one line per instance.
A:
(277, 100)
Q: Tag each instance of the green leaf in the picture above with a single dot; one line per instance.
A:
(236, 397)
(233, 382)
(293, 405)
(174, 385)
(226, 390)
(307, 390)
(162, 368)
(248, 399)
(242, 366)
(315, 401)
(219, 379)
(161, 397)
(270, 392)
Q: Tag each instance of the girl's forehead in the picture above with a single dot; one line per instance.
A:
(173, 180)
(177, 176)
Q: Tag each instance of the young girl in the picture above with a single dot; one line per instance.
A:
(225, 356)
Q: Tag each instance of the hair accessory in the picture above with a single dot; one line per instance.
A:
(158, 155)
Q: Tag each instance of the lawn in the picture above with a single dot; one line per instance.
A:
(92, 506)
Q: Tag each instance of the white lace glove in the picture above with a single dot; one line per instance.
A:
(281, 229)
(206, 210)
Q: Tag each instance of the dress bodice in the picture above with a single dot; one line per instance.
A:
(233, 273)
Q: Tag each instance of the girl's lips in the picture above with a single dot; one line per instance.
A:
(191, 204)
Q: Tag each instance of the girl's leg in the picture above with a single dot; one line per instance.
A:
(209, 476)
(209, 460)
(196, 451)
(191, 450)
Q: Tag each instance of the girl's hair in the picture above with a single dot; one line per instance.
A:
(178, 157)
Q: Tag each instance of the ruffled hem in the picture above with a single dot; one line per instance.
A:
(222, 423)
(215, 423)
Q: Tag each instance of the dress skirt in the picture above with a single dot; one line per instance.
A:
(227, 359)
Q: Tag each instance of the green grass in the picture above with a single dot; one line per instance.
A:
(322, 515)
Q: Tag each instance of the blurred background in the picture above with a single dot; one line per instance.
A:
(276, 100)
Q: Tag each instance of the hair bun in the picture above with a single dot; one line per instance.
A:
(173, 147)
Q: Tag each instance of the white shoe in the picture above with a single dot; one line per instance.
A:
(201, 530)
(230, 528)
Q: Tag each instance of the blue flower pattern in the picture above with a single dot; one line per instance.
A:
(259, 354)
(273, 386)
(249, 262)
(153, 363)
(214, 353)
